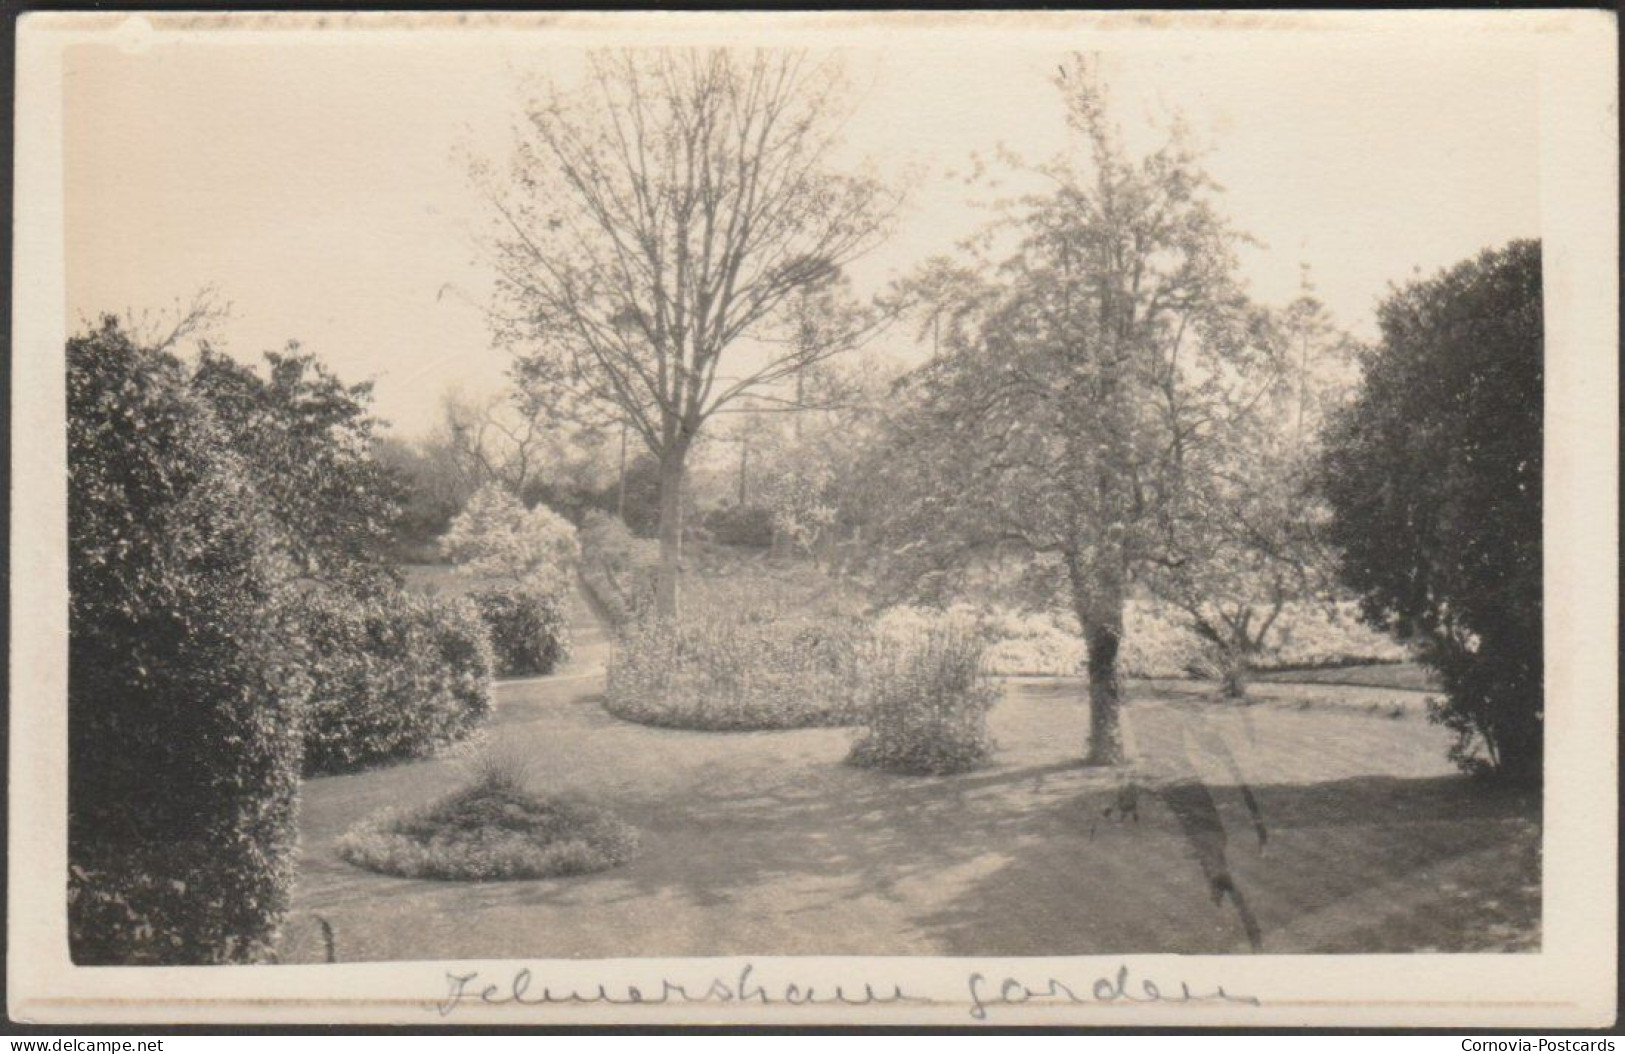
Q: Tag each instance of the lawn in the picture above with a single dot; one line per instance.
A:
(1320, 818)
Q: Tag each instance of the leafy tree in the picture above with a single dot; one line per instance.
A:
(1077, 380)
(183, 730)
(1433, 474)
(660, 216)
(309, 442)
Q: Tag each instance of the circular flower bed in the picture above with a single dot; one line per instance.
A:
(487, 833)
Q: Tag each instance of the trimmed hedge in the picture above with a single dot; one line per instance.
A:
(183, 751)
(529, 633)
(396, 676)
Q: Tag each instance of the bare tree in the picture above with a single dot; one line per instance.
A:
(661, 215)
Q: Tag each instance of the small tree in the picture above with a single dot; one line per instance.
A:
(1433, 474)
(497, 536)
(1244, 540)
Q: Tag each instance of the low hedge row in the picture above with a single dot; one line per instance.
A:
(396, 676)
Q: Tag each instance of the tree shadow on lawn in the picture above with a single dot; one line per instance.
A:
(1021, 862)
(1372, 864)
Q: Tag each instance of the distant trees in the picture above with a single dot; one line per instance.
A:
(1434, 476)
(662, 215)
(308, 441)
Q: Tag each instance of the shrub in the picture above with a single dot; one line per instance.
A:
(748, 526)
(497, 537)
(395, 676)
(618, 569)
(183, 755)
(1433, 475)
(925, 700)
(491, 830)
(728, 669)
(529, 634)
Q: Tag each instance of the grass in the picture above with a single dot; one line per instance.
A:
(493, 829)
(769, 845)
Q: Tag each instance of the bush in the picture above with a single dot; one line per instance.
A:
(183, 755)
(925, 700)
(618, 569)
(726, 669)
(491, 830)
(497, 537)
(748, 526)
(1433, 475)
(529, 634)
(396, 676)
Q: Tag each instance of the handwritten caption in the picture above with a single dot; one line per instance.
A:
(983, 995)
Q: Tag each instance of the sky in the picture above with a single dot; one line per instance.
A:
(319, 183)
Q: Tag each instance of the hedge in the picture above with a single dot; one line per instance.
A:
(183, 752)
(529, 633)
(395, 676)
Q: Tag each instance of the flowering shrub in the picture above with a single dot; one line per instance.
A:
(731, 669)
(529, 634)
(925, 698)
(183, 754)
(1158, 642)
(397, 676)
(497, 537)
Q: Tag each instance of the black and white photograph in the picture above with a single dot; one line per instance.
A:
(610, 517)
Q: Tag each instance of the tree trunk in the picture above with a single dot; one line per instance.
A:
(671, 534)
(1104, 638)
(1097, 600)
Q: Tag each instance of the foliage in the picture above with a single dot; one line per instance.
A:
(1076, 385)
(1158, 641)
(1434, 478)
(750, 526)
(617, 569)
(496, 536)
(183, 758)
(395, 676)
(727, 668)
(434, 489)
(529, 633)
(1242, 540)
(624, 313)
(491, 830)
(925, 699)
(308, 442)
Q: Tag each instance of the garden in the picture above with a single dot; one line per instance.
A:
(1135, 615)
